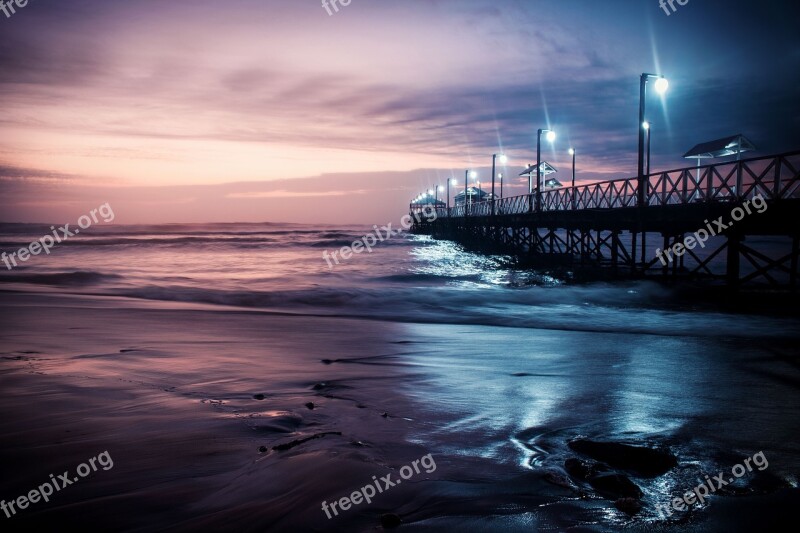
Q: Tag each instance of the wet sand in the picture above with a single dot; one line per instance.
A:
(190, 403)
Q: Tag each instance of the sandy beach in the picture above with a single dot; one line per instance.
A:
(204, 412)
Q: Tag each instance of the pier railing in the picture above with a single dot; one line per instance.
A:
(772, 177)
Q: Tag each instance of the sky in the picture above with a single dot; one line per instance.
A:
(274, 110)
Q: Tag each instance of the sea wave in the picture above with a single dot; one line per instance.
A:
(74, 279)
(609, 308)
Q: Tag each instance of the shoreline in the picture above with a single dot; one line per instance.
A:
(206, 417)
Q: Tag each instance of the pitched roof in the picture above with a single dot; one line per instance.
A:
(721, 147)
(547, 168)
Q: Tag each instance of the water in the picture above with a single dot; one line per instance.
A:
(407, 278)
(501, 366)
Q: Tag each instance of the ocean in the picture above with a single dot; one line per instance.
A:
(190, 352)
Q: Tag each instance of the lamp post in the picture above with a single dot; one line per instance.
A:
(467, 176)
(551, 136)
(647, 126)
(466, 184)
(503, 160)
(661, 87)
(574, 192)
(500, 176)
(455, 182)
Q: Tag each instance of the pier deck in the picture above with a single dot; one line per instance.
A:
(747, 214)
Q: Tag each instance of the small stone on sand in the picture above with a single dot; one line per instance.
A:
(390, 520)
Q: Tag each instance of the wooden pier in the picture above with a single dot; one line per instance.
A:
(606, 227)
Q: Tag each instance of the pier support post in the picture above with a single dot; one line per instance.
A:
(614, 250)
(795, 253)
(732, 261)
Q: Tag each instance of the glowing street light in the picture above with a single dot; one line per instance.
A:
(503, 161)
(551, 136)
(467, 175)
(455, 182)
(647, 127)
(661, 86)
(572, 152)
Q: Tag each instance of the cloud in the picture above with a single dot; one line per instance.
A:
(195, 93)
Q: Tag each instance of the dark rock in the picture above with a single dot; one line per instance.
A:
(577, 468)
(319, 386)
(262, 449)
(310, 405)
(629, 506)
(385, 415)
(641, 460)
(258, 396)
(557, 479)
(614, 486)
(390, 520)
(583, 470)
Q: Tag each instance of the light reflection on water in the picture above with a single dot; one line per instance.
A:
(447, 259)
(518, 396)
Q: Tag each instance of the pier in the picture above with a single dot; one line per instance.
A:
(624, 228)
